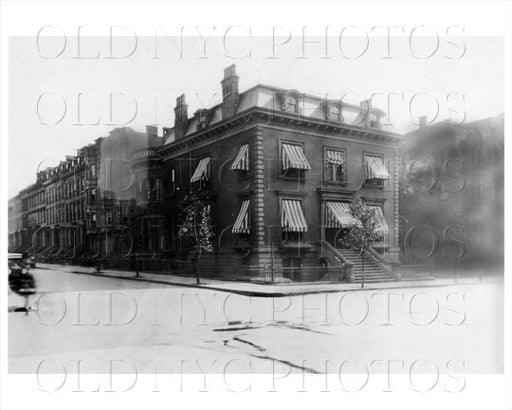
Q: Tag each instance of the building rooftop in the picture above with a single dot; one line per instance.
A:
(491, 129)
(269, 97)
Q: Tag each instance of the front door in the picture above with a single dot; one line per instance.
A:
(337, 237)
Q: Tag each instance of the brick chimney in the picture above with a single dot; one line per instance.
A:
(151, 131)
(180, 117)
(230, 94)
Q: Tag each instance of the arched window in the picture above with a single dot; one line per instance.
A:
(333, 113)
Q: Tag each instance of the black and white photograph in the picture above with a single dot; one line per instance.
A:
(254, 205)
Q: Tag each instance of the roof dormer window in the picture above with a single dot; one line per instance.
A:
(333, 111)
(202, 118)
(290, 102)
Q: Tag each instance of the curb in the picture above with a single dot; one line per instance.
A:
(255, 293)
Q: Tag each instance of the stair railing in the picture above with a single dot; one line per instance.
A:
(391, 269)
(335, 257)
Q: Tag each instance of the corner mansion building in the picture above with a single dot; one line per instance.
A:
(277, 168)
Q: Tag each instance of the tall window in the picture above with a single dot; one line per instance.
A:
(202, 171)
(381, 225)
(241, 162)
(293, 160)
(376, 172)
(335, 165)
(293, 220)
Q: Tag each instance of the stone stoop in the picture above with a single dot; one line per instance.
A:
(372, 272)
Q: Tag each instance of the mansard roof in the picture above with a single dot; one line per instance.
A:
(266, 98)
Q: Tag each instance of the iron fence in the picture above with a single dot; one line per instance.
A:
(245, 273)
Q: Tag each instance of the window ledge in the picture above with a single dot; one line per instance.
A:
(296, 245)
(298, 178)
(336, 183)
(374, 186)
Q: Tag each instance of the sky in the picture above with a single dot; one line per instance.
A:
(65, 93)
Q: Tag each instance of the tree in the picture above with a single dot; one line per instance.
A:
(196, 229)
(365, 233)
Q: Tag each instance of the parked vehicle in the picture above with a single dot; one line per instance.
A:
(16, 259)
(21, 280)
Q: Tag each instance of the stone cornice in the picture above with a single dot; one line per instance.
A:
(326, 193)
(262, 116)
(283, 192)
(151, 162)
(373, 199)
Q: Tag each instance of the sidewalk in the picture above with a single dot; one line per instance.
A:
(261, 289)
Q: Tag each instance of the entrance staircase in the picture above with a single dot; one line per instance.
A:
(372, 271)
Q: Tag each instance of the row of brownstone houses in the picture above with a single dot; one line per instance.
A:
(278, 169)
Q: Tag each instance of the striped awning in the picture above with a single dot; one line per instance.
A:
(337, 215)
(241, 162)
(381, 224)
(202, 170)
(242, 221)
(293, 157)
(335, 157)
(292, 216)
(375, 168)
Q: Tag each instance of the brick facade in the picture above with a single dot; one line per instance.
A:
(262, 118)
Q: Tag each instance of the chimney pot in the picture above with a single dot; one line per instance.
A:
(230, 93)
(180, 101)
(180, 117)
(230, 71)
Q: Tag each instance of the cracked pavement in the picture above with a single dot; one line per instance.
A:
(141, 326)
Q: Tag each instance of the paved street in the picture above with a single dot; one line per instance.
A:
(94, 320)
